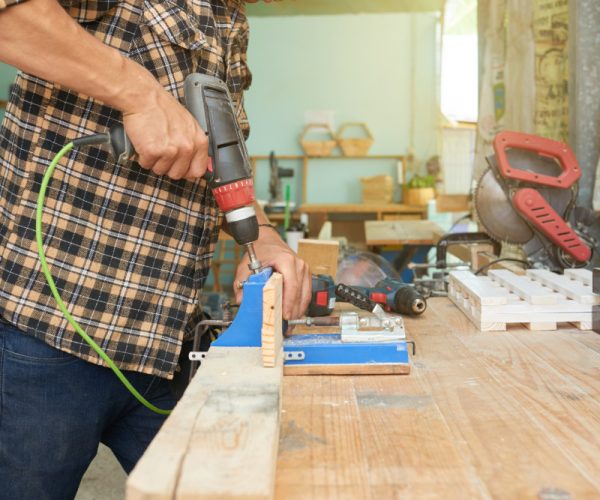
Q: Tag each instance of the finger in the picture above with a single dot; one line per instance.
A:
(181, 165)
(199, 164)
(306, 291)
(238, 291)
(291, 285)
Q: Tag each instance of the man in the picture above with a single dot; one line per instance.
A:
(129, 246)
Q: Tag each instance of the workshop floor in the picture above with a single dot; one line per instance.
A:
(104, 480)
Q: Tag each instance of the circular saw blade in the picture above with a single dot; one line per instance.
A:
(496, 213)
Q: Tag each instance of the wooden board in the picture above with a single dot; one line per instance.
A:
(482, 415)
(320, 255)
(271, 333)
(407, 232)
(221, 440)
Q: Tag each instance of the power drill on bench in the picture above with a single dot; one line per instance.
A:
(395, 296)
(207, 99)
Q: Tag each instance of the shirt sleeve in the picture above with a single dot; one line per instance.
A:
(8, 3)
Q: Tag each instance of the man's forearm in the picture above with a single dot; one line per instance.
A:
(40, 38)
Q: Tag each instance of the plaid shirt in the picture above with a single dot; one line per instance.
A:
(129, 250)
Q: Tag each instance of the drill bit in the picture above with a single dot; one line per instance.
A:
(254, 264)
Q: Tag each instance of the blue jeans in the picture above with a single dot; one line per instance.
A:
(54, 411)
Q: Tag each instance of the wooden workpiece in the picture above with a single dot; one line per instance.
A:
(221, 440)
(320, 255)
(482, 415)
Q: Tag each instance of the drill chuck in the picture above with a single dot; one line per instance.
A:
(409, 301)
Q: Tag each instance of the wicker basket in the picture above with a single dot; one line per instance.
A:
(313, 147)
(355, 146)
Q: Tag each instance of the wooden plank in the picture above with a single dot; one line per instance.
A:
(583, 275)
(407, 232)
(320, 255)
(221, 439)
(271, 333)
(366, 369)
(320, 450)
(488, 257)
(524, 287)
(572, 289)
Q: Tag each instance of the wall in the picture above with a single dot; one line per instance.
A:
(356, 65)
(7, 75)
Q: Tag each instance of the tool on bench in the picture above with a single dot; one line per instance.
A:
(527, 195)
(207, 99)
(393, 295)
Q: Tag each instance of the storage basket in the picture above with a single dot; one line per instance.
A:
(314, 147)
(354, 146)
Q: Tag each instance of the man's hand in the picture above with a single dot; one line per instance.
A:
(167, 138)
(273, 252)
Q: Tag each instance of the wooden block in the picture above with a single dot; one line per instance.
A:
(271, 333)
(572, 289)
(320, 255)
(221, 440)
(524, 287)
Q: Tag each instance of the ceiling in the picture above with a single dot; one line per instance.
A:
(328, 7)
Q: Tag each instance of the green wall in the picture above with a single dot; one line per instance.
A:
(356, 65)
(7, 75)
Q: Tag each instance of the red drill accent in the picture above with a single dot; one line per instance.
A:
(380, 298)
(536, 210)
(234, 195)
(322, 298)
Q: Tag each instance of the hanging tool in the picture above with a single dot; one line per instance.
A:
(207, 99)
(393, 295)
(527, 195)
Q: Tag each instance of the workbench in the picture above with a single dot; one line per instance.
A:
(504, 415)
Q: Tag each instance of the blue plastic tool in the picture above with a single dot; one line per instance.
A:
(312, 350)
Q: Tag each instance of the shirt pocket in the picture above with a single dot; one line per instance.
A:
(175, 24)
(179, 46)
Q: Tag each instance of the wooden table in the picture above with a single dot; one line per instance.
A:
(482, 415)
(349, 218)
(406, 232)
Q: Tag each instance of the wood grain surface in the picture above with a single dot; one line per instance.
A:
(514, 414)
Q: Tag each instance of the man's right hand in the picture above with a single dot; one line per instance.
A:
(167, 138)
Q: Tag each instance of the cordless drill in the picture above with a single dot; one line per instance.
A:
(207, 99)
(395, 296)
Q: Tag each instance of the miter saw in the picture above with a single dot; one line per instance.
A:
(527, 198)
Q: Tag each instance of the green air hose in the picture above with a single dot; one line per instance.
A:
(61, 304)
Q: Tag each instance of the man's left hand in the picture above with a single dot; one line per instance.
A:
(273, 252)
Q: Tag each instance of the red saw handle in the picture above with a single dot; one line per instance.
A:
(536, 210)
(542, 146)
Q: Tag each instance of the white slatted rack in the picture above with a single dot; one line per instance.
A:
(541, 300)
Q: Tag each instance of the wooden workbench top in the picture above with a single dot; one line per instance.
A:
(505, 415)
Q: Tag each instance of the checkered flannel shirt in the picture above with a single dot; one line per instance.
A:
(129, 250)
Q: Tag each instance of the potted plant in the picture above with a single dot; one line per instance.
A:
(419, 190)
